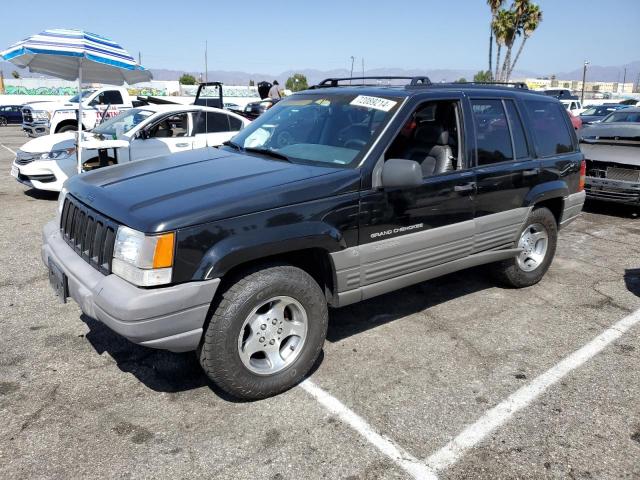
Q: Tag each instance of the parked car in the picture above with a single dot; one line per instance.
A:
(98, 104)
(45, 163)
(576, 121)
(631, 102)
(253, 110)
(335, 195)
(573, 106)
(10, 114)
(596, 113)
(612, 150)
(560, 93)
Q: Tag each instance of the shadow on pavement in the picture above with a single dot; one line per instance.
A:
(632, 280)
(612, 209)
(357, 318)
(41, 194)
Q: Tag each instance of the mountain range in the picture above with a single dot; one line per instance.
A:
(594, 73)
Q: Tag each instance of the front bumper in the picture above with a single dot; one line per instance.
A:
(168, 318)
(36, 129)
(613, 190)
(45, 174)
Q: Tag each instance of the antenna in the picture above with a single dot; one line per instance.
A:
(206, 68)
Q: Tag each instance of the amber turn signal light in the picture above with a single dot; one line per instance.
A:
(163, 255)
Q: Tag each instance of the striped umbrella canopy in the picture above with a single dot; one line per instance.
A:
(67, 54)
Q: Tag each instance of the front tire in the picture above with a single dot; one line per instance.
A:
(68, 128)
(266, 332)
(537, 239)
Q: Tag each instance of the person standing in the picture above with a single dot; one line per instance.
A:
(275, 93)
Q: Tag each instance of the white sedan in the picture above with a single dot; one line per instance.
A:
(139, 133)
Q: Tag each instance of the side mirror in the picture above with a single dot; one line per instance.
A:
(144, 134)
(398, 172)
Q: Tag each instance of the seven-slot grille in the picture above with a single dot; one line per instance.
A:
(90, 234)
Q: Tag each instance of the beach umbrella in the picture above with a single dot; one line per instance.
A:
(76, 55)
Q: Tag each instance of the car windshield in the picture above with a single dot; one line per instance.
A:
(123, 122)
(626, 117)
(328, 128)
(85, 94)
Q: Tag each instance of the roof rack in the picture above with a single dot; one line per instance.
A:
(521, 85)
(335, 82)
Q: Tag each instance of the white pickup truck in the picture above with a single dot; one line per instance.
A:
(139, 133)
(42, 118)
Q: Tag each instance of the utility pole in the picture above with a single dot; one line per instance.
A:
(351, 75)
(206, 67)
(624, 79)
(139, 58)
(362, 70)
(584, 77)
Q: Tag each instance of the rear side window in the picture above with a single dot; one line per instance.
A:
(234, 123)
(492, 132)
(549, 125)
(112, 97)
(212, 122)
(517, 130)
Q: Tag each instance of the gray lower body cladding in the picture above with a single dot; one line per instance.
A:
(169, 318)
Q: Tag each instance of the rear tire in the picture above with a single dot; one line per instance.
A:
(538, 239)
(266, 332)
(3, 122)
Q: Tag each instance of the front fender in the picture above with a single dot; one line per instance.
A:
(248, 246)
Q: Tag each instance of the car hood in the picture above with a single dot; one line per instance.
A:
(47, 143)
(191, 188)
(50, 106)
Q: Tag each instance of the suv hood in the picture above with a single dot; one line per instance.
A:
(47, 143)
(200, 186)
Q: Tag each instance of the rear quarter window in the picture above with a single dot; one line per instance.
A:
(548, 123)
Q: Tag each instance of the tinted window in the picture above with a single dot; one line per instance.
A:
(112, 97)
(492, 132)
(212, 122)
(549, 126)
(234, 123)
(517, 130)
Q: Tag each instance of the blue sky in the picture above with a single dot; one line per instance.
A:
(280, 35)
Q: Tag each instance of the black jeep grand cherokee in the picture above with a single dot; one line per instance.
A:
(335, 195)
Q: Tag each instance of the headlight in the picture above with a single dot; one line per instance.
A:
(144, 260)
(55, 154)
(41, 115)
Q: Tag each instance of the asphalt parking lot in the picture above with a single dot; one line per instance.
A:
(402, 375)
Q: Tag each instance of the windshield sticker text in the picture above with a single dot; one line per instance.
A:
(376, 103)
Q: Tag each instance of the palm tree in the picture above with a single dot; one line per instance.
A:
(502, 27)
(494, 5)
(531, 21)
(517, 12)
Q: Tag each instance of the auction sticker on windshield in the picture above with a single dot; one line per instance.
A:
(373, 102)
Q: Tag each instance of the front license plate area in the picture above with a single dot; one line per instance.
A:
(58, 281)
(15, 171)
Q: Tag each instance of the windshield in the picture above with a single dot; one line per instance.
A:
(331, 128)
(85, 94)
(123, 122)
(623, 117)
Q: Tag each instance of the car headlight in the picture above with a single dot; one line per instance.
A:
(55, 154)
(144, 260)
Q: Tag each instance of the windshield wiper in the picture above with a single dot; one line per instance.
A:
(229, 143)
(268, 152)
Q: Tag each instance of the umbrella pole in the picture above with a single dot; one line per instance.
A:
(79, 148)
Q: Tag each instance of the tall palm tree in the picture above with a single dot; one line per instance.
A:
(531, 21)
(502, 30)
(494, 5)
(517, 12)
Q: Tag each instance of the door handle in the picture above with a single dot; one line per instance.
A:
(467, 187)
(182, 145)
(530, 173)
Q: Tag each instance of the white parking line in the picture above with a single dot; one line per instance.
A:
(501, 413)
(400, 457)
(4, 146)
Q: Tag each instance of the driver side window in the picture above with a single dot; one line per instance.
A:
(431, 137)
(170, 127)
